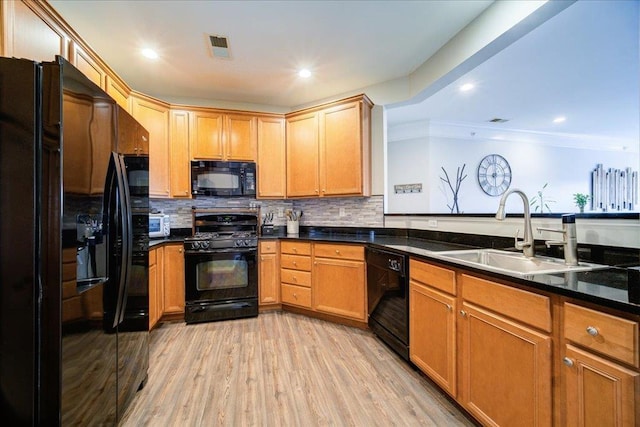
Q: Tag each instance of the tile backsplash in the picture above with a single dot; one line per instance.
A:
(356, 211)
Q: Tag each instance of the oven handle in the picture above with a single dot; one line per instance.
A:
(218, 306)
(222, 251)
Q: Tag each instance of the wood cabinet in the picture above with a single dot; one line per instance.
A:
(28, 31)
(219, 135)
(505, 360)
(432, 323)
(179, 154)
(600, 368)
(271, 162)
(156, 286)
(338, 279)
(269, 277)
(87, 64)
(119, 91)
(173, 276)
(328, 150)
(295, 273)
(153, 115)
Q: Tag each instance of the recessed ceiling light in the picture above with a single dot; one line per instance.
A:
(559, 119)
(466, 87)
(304, 73)
(149, 53)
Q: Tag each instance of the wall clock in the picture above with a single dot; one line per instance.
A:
(494, 174)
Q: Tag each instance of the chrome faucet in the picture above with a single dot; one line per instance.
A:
(525, 245)
(569, 239)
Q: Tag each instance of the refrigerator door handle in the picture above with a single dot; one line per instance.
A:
(127, 236)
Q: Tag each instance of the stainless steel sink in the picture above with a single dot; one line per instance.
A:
(512, 262)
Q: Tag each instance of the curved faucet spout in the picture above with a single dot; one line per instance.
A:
(525, 245)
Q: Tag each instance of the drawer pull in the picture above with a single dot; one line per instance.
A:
(337, 252)
(295, 262)
(294, 278)
(593, 331)
(568, 362)
(463, 313)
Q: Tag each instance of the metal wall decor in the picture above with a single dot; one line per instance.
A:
(614, 189)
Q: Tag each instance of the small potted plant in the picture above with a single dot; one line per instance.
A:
(580, 200)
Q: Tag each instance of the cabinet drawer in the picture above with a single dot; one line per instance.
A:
(71, 309)
(295, 248)
(295, 262)
(527, 307)
(607, 334)
(436, 277)
(69, 289)
(268, 247)
(296, 295)
(69, 255)
(295, 277)
(339, 251)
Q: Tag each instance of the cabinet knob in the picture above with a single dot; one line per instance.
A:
(295, 263)
(338, 252)
(295, 295)
(592, 330)
(180, 250)
(316, 191)
(568, 362)
(449, 307)
(463, 313)
(294, 278)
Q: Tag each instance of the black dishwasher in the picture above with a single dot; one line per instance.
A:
(388, 298)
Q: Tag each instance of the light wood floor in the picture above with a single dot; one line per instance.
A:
(282, 369)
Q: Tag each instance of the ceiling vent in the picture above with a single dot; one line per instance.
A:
(498, 120)
(220, 47)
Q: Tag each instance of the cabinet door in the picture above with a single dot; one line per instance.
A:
(271, 158)
(269, 283)
(154, 117)
(338, 287)
(341, 150)
(505, 370)
(206, 135)
(599, 392)
(118, 92)
(302, 156)
(174, 279)
(179, 148)
(77, 137)
(241, 135)
(154, 314)
(26, 34)
(87, 65)
(432, 329)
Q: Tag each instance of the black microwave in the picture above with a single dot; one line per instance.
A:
(223, 179)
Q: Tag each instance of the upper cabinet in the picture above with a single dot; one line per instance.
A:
(272, 155)
(153, 115)
(88, 65)
(28, 31)
(217, 135)
(179, 154)
(132, 139)
(328, 150)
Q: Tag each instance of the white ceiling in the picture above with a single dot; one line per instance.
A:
(583, 64)
(347, 44)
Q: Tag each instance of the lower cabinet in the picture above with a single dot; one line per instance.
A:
(269, 277)
(324, 278)
(156, 286)
(338, 280)
(173, 276)
(600, 368)
(432, 324)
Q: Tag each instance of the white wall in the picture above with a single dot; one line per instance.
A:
(414, 156)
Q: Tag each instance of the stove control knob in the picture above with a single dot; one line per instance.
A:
(205, 245)
(196, 245)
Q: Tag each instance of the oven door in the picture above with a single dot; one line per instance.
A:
(223, 275)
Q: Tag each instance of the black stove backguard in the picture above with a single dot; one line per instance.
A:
(221, 272)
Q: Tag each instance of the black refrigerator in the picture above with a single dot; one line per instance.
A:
(73, 249)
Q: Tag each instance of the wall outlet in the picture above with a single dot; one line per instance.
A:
(280, 212)
(343, 212)
(432, 223)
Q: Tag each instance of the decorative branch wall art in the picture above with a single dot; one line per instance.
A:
(455, 189)
(614, 189)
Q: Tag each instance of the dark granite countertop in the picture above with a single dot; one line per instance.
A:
(608, 287)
